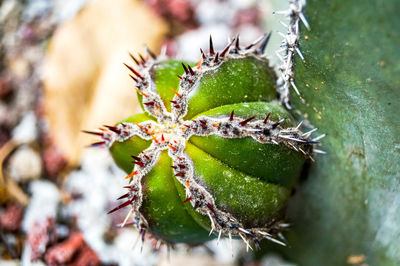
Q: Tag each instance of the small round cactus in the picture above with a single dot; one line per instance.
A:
(214, 152)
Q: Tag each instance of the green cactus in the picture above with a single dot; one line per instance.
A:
(348, 206)
(223, 158)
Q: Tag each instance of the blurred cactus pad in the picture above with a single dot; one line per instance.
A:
(214, 154)
(348, 206)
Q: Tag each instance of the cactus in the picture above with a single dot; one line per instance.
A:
(347, 209)
(214, 150)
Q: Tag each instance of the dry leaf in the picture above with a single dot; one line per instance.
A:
(86, 84)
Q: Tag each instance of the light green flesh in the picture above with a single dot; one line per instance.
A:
(275, 164)
(164, 209)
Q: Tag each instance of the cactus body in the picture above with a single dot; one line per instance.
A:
(223, 157)
(348, 207)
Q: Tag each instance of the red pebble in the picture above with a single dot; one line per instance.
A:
(248, 16)
(54, 161)
(11, 218)
(40, 235)
(73, 251)
(181, 11)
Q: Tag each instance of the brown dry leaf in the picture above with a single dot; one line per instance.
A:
(86, 84)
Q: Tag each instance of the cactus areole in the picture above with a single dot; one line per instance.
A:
(214, 153)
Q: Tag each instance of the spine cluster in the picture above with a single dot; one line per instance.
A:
(289, 47)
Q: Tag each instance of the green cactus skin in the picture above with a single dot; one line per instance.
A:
(349, 204)
(223, 158)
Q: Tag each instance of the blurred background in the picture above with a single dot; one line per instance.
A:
(61, 72)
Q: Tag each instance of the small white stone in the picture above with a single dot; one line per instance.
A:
(43, 203)
(25, 164)
(26, 130)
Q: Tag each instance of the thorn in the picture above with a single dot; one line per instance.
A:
(113, 129)
(255, 42)
(274, 125)
(216, 124)
(231, 116)
(299, 125)
(227, 48)
(280, 235)
(304, 20)
(274, 240)
(179, 77)
(282, 12)
(216, 58)
(140, 126)
(219, 236)
(212, 223)
(142, 233)
(247, 243)
(185, 68)
(174, 102)
(176, 93)
(127, 217)
(319, 137)
(319, 151)
(190, 70)
(180, 174)
(141, 92)
(202, 54)
(243, 230)
(188, 199)
(151, 53)
(97, 144)
(211, 47)
(92, 132)
(154, 138)
(134, 71)
(295, 88)
(266, 118)
(162, 138)
(172, 147)
(136, 158)
(131, 174)
(237, 46)
(147, 157)
(139, 163)
(261, 49)
(126, 203)
(199, 63)
(284, 24)
(309, 141)
(123, 196)
(309, 132)
(132, 77)
(230, 241)
(134, 59)
(143, 60)
(244, 122)
(149, 103)
(299, 53)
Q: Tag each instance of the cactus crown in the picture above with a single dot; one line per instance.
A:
(170, 131)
